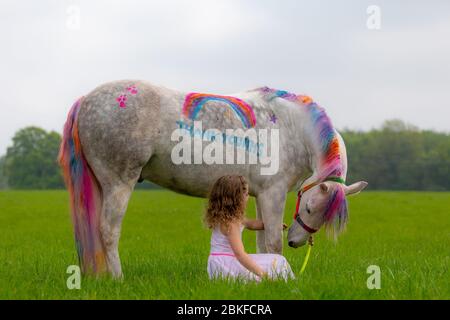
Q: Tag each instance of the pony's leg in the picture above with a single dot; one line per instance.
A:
(260, 238)
(115, 202)
(272, 203)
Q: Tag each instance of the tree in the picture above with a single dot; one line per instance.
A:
(3, 180)
(399, 157)
(30, 162)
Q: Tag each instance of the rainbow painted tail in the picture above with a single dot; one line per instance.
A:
(85, 197)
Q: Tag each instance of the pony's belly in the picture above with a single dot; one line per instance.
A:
(189, 179)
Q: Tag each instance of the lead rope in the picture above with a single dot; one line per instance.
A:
(305, 262)
(308, 251)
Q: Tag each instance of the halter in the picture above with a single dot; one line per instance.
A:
(299, 196)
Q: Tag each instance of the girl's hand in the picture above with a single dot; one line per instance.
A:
(285, 226)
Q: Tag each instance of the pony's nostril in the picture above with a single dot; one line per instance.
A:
(291, 243)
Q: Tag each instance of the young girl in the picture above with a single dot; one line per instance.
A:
(226, 216)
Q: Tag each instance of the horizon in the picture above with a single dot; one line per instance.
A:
(345, 129)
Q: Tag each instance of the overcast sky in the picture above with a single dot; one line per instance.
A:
(324, 49)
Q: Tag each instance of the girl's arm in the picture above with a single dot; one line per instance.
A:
(257, 224)
(253, 224)
(234, 237)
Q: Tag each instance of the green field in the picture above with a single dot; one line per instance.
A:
(164, 249)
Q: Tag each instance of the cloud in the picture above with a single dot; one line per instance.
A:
(323, 49)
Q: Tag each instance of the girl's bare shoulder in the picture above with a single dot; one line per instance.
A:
(231, 226)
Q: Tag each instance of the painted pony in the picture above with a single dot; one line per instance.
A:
(127, 131)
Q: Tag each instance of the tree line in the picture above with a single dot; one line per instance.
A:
(396, 156)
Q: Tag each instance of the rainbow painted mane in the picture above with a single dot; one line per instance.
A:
(327, 146)
(195, 101)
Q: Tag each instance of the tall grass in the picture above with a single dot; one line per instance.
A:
(164, 250)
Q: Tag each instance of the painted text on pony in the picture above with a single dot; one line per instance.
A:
(253, 142)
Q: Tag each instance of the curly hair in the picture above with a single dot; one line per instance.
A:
(226, 201)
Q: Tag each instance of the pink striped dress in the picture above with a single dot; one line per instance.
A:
(223, 264)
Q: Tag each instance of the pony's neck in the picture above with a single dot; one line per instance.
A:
(324, 145)
(323, 153)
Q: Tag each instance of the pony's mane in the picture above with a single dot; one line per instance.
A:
(336, 214)
(327, 146)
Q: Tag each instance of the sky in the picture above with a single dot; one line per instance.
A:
(363, 64)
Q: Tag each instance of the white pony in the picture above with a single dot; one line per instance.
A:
(123, 132)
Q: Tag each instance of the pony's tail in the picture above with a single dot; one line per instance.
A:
(85, 197)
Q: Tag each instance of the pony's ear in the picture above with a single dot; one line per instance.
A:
(324, 187)
(355, 187)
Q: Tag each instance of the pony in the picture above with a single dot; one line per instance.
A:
(123, 132)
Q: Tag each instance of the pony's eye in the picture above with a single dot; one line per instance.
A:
(308, 210)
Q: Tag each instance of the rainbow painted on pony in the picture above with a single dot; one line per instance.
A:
(194, 102)
(85, 196)
(327, 145)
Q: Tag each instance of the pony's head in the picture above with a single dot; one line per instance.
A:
(322, 204)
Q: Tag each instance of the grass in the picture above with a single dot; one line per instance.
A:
(164, 249)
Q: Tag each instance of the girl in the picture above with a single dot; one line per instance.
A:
(226, 216)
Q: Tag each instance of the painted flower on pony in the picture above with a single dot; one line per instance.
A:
(132, 89)
(122, 100)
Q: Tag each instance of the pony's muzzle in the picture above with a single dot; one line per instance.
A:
(297, 236)
(293, 244)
